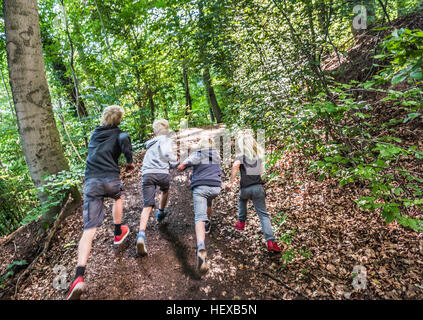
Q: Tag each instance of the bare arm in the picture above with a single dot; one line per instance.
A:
(234, 173)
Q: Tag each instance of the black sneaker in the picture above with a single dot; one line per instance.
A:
(208, 226)
(160, 215)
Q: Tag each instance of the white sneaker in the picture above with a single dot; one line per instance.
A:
(202, 263)
(141, 246)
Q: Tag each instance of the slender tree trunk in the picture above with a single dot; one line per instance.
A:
(322, 8)
(59, 69)
(151, 103)
(188, 100)
(37, 127)
(309, 9)
(138, 102)
(82, 112)
(212, 119)
(211, 95)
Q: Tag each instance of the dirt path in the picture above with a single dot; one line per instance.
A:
(169, 270)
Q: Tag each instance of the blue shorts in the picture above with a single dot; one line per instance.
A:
(95, 190)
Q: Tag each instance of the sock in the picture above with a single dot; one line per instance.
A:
(79, 272)
(201, 246)
(118, 230)
(142, 233)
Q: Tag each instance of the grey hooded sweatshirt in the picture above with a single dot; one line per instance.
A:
(159, 157)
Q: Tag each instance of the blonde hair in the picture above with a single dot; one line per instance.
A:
(248, 146)
(205, 142)
(161, 127)
(112, 116)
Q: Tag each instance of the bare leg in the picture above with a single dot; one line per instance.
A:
(163, 200)
(84, 247)
(118, 211)
(200, 231)
(145, 214)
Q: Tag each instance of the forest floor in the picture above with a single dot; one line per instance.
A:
(323, 235)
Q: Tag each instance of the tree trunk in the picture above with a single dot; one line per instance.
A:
(309, 10)
(212, 119)
(82, 112)
(188, 100)
(211, 95)
(323, 9)
(37, 127)
(151, 102)
(59, 69)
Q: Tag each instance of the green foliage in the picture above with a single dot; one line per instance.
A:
(17, 194)
(56, 187)
(10, 271)
(353, 152)
(404, 51)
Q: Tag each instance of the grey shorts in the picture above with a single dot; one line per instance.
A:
(203, 198)
(149, 183)
(95, 190)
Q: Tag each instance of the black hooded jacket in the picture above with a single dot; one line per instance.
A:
(106, 145)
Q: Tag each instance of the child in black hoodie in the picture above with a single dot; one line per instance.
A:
(102, 179)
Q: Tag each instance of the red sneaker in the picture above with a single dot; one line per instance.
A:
(240, 225)
(123, 235)
(76, 289)
(273, 246)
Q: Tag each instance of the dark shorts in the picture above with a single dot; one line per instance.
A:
(149, 183)
(95, 190)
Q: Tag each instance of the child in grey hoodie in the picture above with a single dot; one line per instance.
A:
(158, 159)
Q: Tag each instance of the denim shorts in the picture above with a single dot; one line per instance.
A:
(95, 190)
(149, 183)
(203, 197)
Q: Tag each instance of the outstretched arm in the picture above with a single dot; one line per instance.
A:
(234, 173)
(126, 148)
(193, 159)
